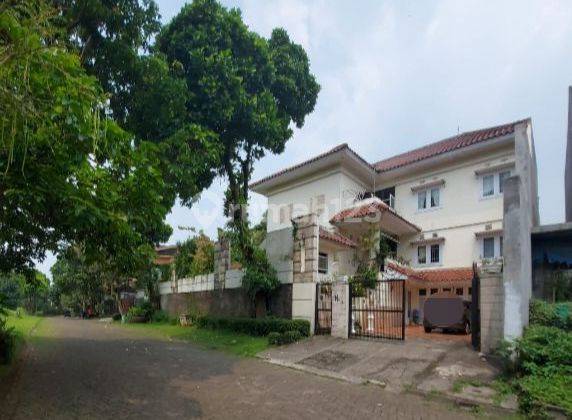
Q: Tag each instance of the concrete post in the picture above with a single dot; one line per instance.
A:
(340, 310)
(221, 262)
(305, 267)
(517, 273)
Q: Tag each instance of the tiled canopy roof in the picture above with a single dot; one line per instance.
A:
(368, 209)
(448, 145)
(336, 237)
(439, 275)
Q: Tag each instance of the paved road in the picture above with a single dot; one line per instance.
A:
(87, 369)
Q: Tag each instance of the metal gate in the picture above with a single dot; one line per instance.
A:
(378, 312)
(323, 308)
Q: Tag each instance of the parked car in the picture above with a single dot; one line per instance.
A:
(448, 312)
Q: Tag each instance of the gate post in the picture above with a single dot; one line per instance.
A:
(340, 310)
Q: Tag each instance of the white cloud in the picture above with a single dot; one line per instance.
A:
(397, 75)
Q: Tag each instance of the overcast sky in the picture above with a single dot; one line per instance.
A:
(397, 75)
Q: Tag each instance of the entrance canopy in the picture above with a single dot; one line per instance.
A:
(376, 212)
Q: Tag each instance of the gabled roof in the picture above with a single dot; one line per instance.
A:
(338, 148)
(447, 145)
(370, 208)
(336, 237)
(431, 150)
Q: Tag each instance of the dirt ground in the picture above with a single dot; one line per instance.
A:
(90, 370)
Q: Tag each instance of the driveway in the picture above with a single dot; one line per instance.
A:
(90, 370)
(438, 364)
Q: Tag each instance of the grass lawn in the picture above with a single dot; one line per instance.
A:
(238, 344)
(23, 327)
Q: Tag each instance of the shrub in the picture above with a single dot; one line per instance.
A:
(255, 326)
(160, 316)
(546, 349)
(259, 275)
(291, 337)
(551, 314)
(287, 337)
(135, 313)
(274, 338)
(7, 342)
(116, 317)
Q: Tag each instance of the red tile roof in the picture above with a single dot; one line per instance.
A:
(336, 149)
(438, 275)
(336, 237)
(368, 209)
(448, 145)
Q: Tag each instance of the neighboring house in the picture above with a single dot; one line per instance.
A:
(441, 206)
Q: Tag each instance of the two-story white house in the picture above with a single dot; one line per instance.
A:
(440, 206)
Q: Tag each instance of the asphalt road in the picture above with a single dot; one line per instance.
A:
(77, 369)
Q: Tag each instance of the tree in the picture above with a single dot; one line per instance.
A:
(108, 36)
(195, 256)
(11, 289)
(244, 90)
(68, 174)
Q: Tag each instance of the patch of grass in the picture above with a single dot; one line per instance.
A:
(503, 390)
(460, 384)
(23, 326)
(229, 342)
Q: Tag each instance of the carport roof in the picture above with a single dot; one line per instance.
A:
(438, 275)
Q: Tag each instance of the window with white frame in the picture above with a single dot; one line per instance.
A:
(492, 247)
(492, 184)
(430, 198)
(322, 263)
(435, 253)
(429, 254)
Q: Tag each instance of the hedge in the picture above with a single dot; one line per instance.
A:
(255, 326)
(557, 315)
(287, 337)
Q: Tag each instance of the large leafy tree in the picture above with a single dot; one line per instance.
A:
(67, 173)
(245, 91)
(109, 35)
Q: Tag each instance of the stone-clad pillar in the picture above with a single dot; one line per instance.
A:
(340, 310)
(221, 261)
(491, 302)
(305, 267)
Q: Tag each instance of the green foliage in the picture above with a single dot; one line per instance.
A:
(365, 278)
(541, 369)
(109, 36)
(286, 337)
(245, 92)
(259, 275)
(138, 314)
(544, 349)
(12, 289)
(160, 316)
(551, 314)
(116, 317)
(274, 338)
(58, 151)
(195, 256)
(255, 326)
(7, 342)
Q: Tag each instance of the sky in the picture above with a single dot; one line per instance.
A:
(396, 75)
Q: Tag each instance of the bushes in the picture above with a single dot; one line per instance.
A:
(256, 326)
(116, 317)
(551, 314)
(288, 337)
(543, 369)
(7, 342)
(160, 317)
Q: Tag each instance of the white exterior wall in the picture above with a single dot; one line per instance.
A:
(462, 211)
(336, 185)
